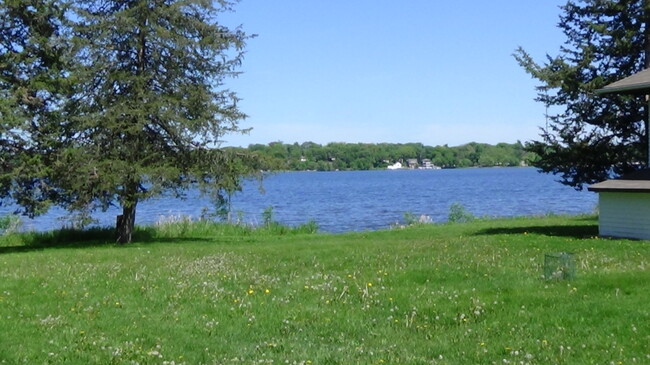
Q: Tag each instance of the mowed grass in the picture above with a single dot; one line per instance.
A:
(430, 294)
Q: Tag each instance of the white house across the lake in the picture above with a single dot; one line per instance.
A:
(395, 166)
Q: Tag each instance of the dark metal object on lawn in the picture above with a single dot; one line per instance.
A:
(559, 266)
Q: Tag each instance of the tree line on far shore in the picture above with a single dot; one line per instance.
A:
(367, 156)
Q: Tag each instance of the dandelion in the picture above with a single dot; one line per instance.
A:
(369, 284)
(266, 291)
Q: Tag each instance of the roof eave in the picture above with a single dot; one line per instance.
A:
(629, 89)
(637, 83)
(617, 190)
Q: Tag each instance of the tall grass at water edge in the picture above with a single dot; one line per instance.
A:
(175, 228)
(428, 294)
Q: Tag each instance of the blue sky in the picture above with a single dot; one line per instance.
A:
(372, 71)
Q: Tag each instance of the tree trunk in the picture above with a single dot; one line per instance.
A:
(125, 224)
(126, 221)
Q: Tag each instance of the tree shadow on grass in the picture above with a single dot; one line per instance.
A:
(571, 231)
(93, 237)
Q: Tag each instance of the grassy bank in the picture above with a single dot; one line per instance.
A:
(435, 294)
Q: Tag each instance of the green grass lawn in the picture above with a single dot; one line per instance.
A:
(431, 294)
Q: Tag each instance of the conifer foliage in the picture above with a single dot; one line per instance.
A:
(32, 86)
(589, 137)
(145, 104)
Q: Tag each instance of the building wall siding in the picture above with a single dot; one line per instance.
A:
(625, 215)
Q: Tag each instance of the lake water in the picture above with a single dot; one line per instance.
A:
(345, 201)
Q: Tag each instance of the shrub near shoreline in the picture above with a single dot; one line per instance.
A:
(436, 294)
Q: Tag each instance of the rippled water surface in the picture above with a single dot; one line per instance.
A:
(368, 200)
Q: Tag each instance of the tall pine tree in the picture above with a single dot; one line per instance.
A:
(149, 98)
(111, 102)
(590, 138)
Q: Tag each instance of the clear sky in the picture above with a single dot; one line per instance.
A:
(372, 71)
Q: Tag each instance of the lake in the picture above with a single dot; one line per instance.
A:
(344, 201)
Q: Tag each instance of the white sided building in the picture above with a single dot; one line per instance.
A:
(624, 206)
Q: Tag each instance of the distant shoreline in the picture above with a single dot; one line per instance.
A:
(309, 156)
(444, 168)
